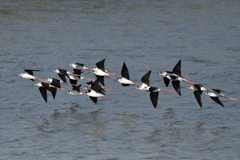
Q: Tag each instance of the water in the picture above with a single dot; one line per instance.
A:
(147, 35)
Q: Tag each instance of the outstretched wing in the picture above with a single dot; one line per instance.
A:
(177, 68)
(125, 72)
(100, 65)
(145, 78)
(154, 98)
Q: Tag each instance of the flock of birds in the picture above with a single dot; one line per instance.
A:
(95, 90)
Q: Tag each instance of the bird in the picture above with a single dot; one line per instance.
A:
(125, 80)
(154, 91)
(94, 92)
(216, 94)
(75, 91)
(101, 66)
(29, 75)
(43, 87)
(103, 88)
(78, 67)
(198, 89)
(62, 73)
(175, 76)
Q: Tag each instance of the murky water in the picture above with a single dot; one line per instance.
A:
(147, 35)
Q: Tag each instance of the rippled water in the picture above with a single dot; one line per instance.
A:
(147, 35)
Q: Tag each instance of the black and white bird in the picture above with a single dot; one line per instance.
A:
(78, 67)
(75, 91)
(176, 76)
(95, 92)
(154, 91)
(216, 94)
(29, 75)
(125, 80)
(43, 87)
(198, 89)
(100, 72)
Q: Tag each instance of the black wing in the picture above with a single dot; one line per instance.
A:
(176, 86)
(76, 88)
(166, 81)
(216, 99)
(125, 72)
(56, 83)
(218, 90)
(145, 78)
(94, 99)
(74, 82)
(54, 92)
(80, 64)
(154, 98)
(100, 65)
(63, 77)
(197, 95)
(177, 68)
(78, 72)
(95, 86)
(100, 79)
(43, 92)
(198, 87)
(30, 71)
(64, 72)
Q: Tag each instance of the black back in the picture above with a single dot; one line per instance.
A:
(125, 72)
(145, 78)
(30, 71)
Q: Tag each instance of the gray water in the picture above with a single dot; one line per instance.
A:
(147, 35)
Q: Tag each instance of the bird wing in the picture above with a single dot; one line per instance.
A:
(145, 78)
(30, 71)
(94, 99)
(64, 72)
(95, 86)
(166, 81)
(154, 98)
(197, 95)
(56, 83)
(125, 72)
(100, 79)
(43, 92)
(176, 86)
(177, 68)
(80, 64)
(216, 99)
(100, 65)
(63, 77)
